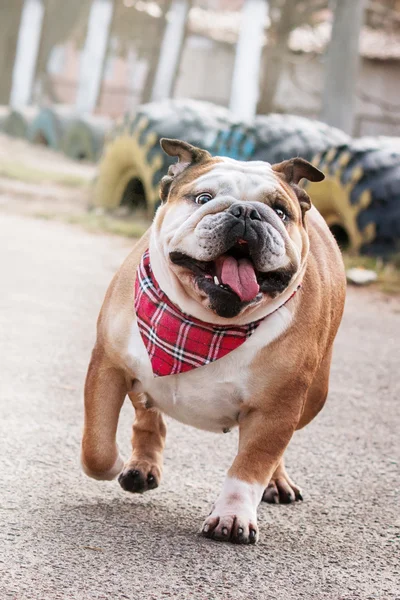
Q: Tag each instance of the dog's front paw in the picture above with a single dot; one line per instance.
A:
(235, 528)
(138, 477)
(234, 515)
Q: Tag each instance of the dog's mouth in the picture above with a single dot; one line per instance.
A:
(233, 273)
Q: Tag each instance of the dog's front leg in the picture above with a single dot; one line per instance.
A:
(263, 437)
(143, 470)
(105, 391)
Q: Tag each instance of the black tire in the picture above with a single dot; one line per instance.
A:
(279, 137)
(17, 122)
(49, 126)
(83, 138)
(362, 193)
(133, 157)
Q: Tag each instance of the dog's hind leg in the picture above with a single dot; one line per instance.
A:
(318, 392)
(281, 489)
(105, 391)
(143, 470)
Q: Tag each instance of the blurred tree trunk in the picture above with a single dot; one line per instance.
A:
(171, 50)
(155, 53)
(94, 55)
(275, 56)
(9, 27)
(286, 15)
(342, 65)
(60, 19)
(245, 87)
(181, 51)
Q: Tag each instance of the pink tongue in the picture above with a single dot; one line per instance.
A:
(240, 276)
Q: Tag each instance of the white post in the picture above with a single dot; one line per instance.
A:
(170, 50)
(342, 65)
(246, 71)
(26, 54)
(93, 55)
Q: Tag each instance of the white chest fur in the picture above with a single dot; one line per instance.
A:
(208, 397)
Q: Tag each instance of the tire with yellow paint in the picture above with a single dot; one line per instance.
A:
(360, 197)
(133, 163)
(128, 168)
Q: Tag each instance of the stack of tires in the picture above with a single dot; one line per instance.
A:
(134, 151)
(59, 128)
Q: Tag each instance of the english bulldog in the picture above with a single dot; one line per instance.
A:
(223, 315)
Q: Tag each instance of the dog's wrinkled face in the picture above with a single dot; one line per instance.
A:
(232, 232)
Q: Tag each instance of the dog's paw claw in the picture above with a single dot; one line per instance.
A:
(252, 536)
(230, 529)
(151, 481)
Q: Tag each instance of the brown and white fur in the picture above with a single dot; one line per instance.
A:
(274, 383)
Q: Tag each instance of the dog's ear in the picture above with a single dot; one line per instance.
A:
(293, 171)
(297, 168)
(187, 155)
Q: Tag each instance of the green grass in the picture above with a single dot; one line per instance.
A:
(27, 174)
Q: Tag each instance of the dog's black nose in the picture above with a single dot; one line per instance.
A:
(244, 211)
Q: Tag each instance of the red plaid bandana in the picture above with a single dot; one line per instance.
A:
(177, 342)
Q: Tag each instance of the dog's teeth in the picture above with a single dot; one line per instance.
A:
(216, 280)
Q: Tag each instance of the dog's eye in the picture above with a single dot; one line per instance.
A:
(203, 198)
(281, 213)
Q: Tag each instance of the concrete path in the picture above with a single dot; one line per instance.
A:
(63, 536)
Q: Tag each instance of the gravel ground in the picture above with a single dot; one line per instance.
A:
(64, 536)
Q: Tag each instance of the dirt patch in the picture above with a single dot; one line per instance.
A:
(38, 182)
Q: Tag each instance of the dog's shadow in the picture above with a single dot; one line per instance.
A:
(130, 522)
